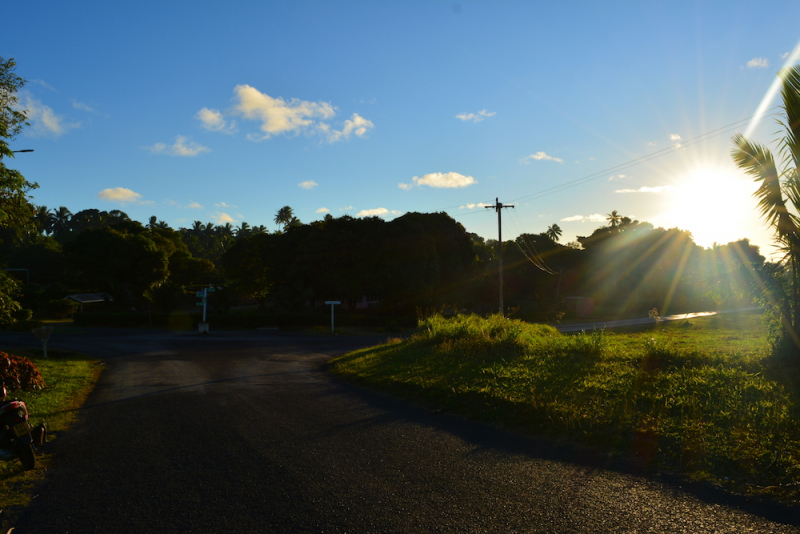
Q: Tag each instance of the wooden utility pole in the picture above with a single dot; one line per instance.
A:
(498, 206)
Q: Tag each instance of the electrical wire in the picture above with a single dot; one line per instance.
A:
(532, 254)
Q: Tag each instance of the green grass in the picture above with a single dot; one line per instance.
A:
(69, 378)
(701, 398)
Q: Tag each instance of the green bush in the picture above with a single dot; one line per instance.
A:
(23, 314)
(60, 308)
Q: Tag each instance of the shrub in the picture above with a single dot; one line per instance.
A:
(60, 308)
(19, 373)
(23, 314)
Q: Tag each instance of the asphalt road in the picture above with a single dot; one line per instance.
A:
(247, 433)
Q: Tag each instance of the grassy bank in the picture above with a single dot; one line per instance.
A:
(698, 397)
(69, 378)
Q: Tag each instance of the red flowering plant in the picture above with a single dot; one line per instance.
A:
(19, 373)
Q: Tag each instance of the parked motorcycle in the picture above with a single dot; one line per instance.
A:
(15, 432)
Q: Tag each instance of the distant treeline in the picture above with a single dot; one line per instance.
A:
(419, 261)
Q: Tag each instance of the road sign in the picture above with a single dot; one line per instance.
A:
(201, 293)
(200, 303)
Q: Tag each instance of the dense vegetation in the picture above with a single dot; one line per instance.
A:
(416, 261)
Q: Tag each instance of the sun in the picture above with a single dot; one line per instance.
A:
(716, 205)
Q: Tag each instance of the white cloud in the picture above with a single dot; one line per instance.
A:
(44, 84)
(347, 208)
(476, 117)
(44, 121)
(190, 205)
(616, 177)
(441, 180)
(355, 124)
(283, 117)
(323, 210)
(651, 143)
(81, 106)
(377, 212)
(224, 205)
(758, 63)
(182, 147)
(584, 218)
(308, 184)
(119, 194)
(278, 116)
(222, 218)
(212, 120)
(472, 206)
(674, 137)
(540, 156)
(658, 189)
(784, 55)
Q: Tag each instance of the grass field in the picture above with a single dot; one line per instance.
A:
(701, 398)
(69, 378)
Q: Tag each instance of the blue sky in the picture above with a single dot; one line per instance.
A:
(226, 112)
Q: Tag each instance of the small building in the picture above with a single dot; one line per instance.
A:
(91, 299)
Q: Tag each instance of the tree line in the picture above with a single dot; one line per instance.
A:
(416, 261)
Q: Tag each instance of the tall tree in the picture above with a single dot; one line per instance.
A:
(16, 211)
(45, 218)
(15, 207)
(614, 219)
(777, 188)
(244, 230)
(62, 221)
(553, 232)
(284, 216)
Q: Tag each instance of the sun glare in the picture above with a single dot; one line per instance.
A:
(716, 206)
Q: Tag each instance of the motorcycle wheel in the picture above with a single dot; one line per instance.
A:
(26, 457)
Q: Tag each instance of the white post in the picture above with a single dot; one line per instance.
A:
(332, 303)
(43, 333)
(202, 328)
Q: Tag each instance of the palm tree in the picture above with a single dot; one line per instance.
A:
(225, 230)
(197, 228)
(152, 223)
(62, 219)
(244, 230)
(284, 216)
(553, 232)
(777, 187)
(46, 218)
(614, 219)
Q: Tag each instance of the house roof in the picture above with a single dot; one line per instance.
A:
(85, 298)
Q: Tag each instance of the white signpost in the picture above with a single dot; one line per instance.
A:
(202, 328)
(43, 333)
(332, 303)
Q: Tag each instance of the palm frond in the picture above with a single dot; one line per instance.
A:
(757, 161)
(791, 104)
